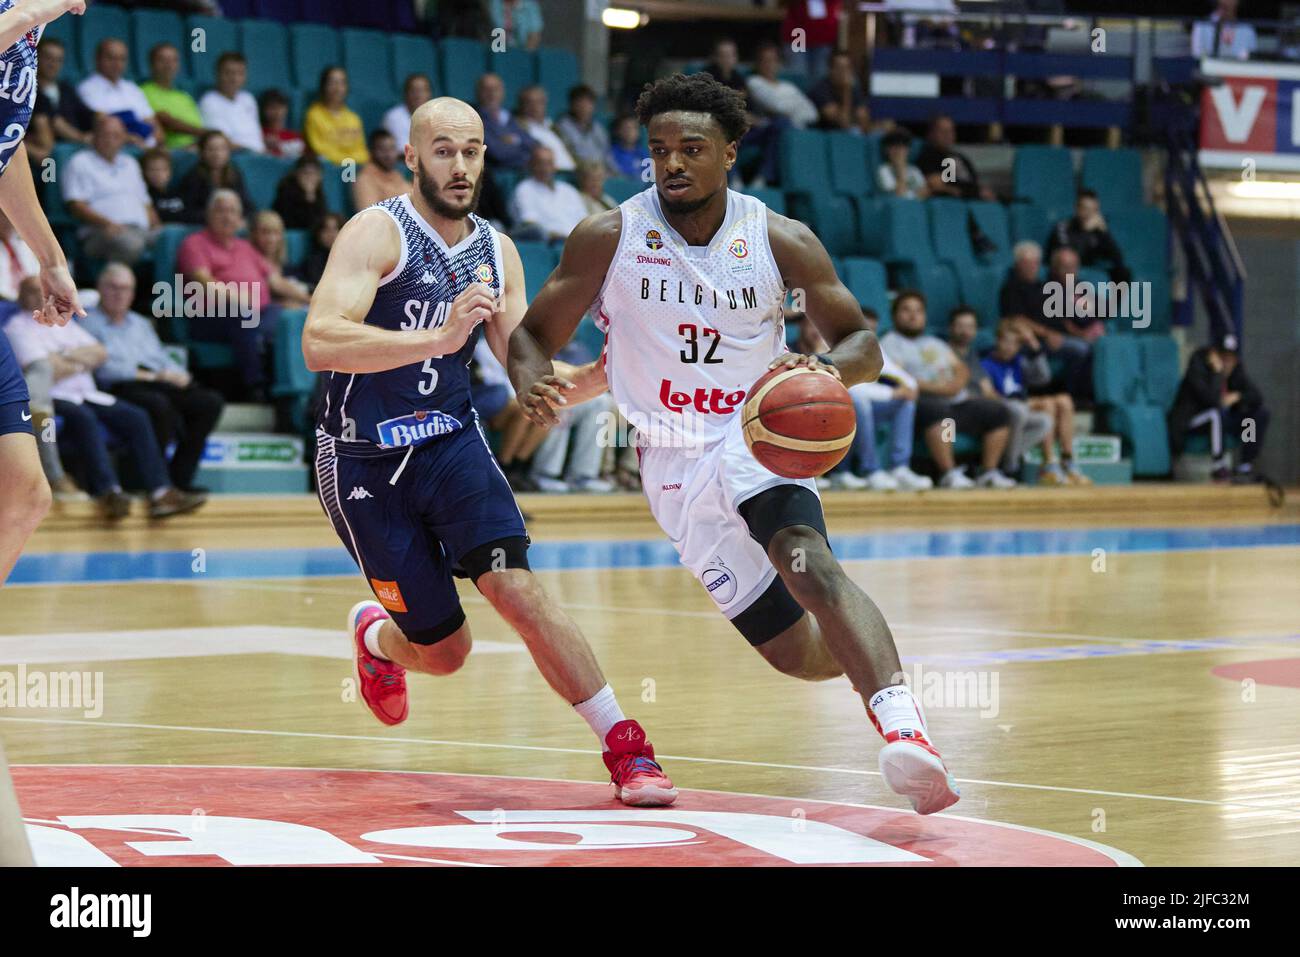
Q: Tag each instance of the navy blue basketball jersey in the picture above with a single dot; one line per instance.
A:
(17, 89)
(376, 412)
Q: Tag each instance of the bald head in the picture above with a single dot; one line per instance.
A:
(446, 156)
(445, 116)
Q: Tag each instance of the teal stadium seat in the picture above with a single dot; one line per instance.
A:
(66, 29)
(1029, 222)
(338, 194)
(217, 36)
(265, 45)
(557, 71)
(291, 380)
(1132, 408)
(463, 61)
(297, 244)
(413, 54)
(99, 23)
(804, 160)
(538, 260)
(1116, 176)
(1142, 233)
(366, 55)
(589, 335)
(56, 209)
(312, 48)
(868, 280)
(852, 172)
(774, 199)
(994, 223)
(517, 69)
(620, 189)
(182, 162)
(1044, 175)
(371, 109)
(151, 27)
(1160, 373)
(262, 175)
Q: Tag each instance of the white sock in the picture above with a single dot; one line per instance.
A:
(601, 712)
(896, 710)
(371, 638)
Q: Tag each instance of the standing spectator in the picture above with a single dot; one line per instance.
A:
(416, 91)
(507, 143)
(213, 171)
(531, 113)
(57, 99)
(520, 19)
(896, 175)
(627, 157)
(106, 194)
(839, 99)
(941, 379)
(586, 139)
(333, 132)
(17, 261)
(1024, 296)
(1216, 394)
(772, 97)
(175, 110)
(108, 91)
(267, 236)
(544, 206)
(277, 138)
(300, 197)
(323, 235)
(380, 178)
(230, 108)
(591, 184)
(948, 172)
(156, 164)
(1222, 36)
(1087, 234)
(139, 370)
(810, 31)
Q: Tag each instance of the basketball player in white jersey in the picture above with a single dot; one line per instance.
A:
(687, 279)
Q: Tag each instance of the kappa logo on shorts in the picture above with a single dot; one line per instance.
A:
(389, 595)
(358, 492)
(720, 581)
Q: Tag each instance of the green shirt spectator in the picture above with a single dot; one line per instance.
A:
(174, 110)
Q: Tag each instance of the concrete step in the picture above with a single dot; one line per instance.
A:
(253, 462)
(246, 417)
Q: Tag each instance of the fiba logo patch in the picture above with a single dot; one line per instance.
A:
(738, 248)
(653, 240)
(484, 273)
(720, 582)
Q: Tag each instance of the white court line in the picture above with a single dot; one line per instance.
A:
(431, 860)
(666, 757)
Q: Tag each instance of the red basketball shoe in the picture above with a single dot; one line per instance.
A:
(638, 780)
(913, 768)
(383, 683)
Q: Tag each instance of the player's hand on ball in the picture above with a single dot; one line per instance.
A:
(476, 304)
(542, 403)
(793, 360)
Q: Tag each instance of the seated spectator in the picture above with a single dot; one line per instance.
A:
(323, 235)
(156, 164)
(771, 97)
(591, 186)
(416, 91)
(507, 144)
(586, 139)
(380, 178)
(1024, 295)
(1217, 395)
(175, 110)
(942, 379)
(213, 171)
(58, 115)
(216, 254)
(109, 92)
(724, 65)
(531, 114)
(520, 19)
(627, 157)
(1222, 36)
(896, 175)
(267, 236)
(1081, 316)
(139, 370)
(277, 138)
(230, 108)
(73, 355)
(106, 194)
(947, 171)
(570, 456)
(494, 400)
(840, 102)
(333, 132)
(17, 261)
(300, 197)
(545, 207)
(1087, 234)
(1016, 358)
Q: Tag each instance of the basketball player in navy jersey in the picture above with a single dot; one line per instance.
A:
(702, 316)
(403, 468)
(26, 495)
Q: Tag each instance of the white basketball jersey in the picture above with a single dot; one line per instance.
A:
(689, 328)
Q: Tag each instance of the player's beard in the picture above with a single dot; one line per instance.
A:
(684, 207)
(432, 193)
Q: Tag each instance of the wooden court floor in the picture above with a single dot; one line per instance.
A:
(1125, 674)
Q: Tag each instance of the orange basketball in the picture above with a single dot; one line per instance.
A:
(798, 422)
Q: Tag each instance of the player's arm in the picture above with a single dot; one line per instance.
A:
(553, 317)
(336, 337)
(19, 203)
(28, 14)
(855, 353)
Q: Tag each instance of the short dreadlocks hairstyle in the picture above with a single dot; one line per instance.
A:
(697, 93)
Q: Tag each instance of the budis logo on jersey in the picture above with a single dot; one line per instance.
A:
(720, 581)
(415, 428)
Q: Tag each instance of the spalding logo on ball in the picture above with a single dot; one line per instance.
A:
(798, 422)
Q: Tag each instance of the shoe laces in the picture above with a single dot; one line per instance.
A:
(632, 764)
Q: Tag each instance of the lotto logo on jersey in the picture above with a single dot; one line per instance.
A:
(738, 248)
(706, 401)
(653, 240)
(484, 273)
(415, 428)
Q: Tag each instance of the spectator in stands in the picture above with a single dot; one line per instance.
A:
(57, 101)
(213, 171)
(1222, 36)
(963, 327)
(416, 91)
(585, 138)
(839, 99)
(545, 207)
(300, 197)
(323, 235)
(724, 64)
(277, 138)
(494, 400)
(108, 91)
(139, 370)
(948, 172)
(333, 132)
(230, 108)
(17, 261)
(267, 236)
(1217, 395)
(106, 194)
(772, 97)
(1087, 234)
(73, 355)
(175, 110)
(897, 176)
(507, 144)
(627, 157)
(1082, 317)
(591, 184)
(156, 164)
(531, 114)
(819, 24)
(380, 178)
(570, 456)
(1024, 295)
(942, 380)
(520, 19)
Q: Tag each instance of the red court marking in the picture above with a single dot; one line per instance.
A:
(224, 815)
(1282, 672)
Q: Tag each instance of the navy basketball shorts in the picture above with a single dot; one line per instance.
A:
(413, 528)
(15, 415)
